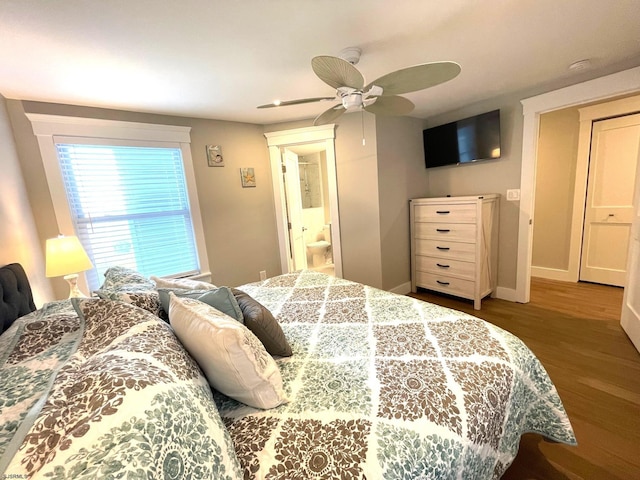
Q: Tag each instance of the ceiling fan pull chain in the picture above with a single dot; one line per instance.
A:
(362, 113)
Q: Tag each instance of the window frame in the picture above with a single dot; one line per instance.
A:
(49, 127)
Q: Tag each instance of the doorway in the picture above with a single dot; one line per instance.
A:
(303, 169)
(599, 89)
(586, 159)
(308, 213)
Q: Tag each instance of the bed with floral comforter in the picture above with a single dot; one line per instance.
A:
(383, 386)
(106, 393)
(379, 386)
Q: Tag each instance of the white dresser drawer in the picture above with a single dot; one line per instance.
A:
(462, 232)
(442, 283)
(446, 266)
(446, 249)
(454, 213)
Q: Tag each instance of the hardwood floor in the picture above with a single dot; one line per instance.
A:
(574, 329)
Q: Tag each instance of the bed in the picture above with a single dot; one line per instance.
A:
(375, 386)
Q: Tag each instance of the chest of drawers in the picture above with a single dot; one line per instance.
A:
(454, 245)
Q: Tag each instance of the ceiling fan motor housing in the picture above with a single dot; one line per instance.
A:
(352, 101)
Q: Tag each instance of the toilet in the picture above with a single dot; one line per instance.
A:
(318, 251)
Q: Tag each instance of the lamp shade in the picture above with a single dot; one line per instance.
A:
(65, 256)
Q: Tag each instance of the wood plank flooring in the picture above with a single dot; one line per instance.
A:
(574, 329)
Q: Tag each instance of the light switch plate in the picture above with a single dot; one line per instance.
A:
(513, 194)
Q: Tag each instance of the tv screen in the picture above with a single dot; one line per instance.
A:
(464, 141)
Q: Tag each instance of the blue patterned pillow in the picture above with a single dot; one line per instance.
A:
(124, 279)
(221, 298)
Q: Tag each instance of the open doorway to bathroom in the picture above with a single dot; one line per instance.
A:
(303, 169)
(309, 216)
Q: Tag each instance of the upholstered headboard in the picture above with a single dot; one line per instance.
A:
(16, 298)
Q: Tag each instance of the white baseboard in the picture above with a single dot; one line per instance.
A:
(402, 289)
(552, 274)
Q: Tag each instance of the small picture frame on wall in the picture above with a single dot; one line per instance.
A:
(247, 177)
(214, 156)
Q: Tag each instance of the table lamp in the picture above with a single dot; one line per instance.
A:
(66, 257)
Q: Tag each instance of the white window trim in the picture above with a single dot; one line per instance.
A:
(46, 127)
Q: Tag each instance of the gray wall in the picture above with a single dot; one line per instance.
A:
(19, 240)
(490, 176)
(401, 176)
(375, 183)
(554, 190)
(239, 223)
(358, 198)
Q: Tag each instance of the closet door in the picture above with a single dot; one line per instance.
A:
(615, 144)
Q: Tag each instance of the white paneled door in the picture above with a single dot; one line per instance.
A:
(630, 320)
(294, 210)
(615, 145)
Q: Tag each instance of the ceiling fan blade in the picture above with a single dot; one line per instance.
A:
(296, 102)
(415, 78)
(337, 72)
(329, 115)
(390, 105)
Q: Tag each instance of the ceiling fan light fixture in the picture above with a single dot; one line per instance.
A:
(352, 101)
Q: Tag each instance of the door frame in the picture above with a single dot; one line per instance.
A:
(621, 83)
(286, 138)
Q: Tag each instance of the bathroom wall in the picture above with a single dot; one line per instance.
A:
(310, 181)
(313, 181)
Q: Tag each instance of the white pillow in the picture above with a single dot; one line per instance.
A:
(184, 283)
(233, 359)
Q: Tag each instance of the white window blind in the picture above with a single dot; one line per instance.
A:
(130, 207)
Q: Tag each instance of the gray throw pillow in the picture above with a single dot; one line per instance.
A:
(219, 298)
(262, 323)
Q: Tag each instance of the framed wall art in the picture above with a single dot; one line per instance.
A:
(214, 156)
(247, 177)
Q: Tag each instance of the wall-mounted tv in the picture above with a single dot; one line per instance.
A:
(465, 141)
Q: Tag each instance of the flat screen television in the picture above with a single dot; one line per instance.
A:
(464, 141)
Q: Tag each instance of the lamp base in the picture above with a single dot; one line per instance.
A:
(74, 291)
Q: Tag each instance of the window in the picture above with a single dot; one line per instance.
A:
(127, 190)
(129, 207)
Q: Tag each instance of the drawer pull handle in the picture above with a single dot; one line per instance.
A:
(443, 212)
(442, 283)
(443, 230)
(442, 266)
(443, 248)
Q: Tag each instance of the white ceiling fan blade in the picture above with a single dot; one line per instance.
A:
(337, 72)
(390, 105)
(415, 78)
(329, 115)
(295, 102)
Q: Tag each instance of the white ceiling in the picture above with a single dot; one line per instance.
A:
(221, 58)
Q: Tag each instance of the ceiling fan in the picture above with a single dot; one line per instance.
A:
(380, 97)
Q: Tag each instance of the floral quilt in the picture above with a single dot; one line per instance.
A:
(105, 390)
(383, 386)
